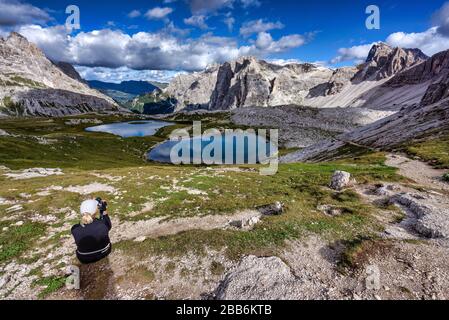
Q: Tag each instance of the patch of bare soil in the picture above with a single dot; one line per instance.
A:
(418, 171)
(159, 227)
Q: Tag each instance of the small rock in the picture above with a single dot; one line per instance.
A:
(393, 187)
(329, 210)
(15, 208)
(19, 223)
(274, 209)
(382, 191)
(140, 239)
(4, 281)
(340, 180)
(246, 223)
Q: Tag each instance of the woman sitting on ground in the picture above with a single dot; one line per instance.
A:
(92, 234)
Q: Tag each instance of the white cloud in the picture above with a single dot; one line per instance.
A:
(283, 62)
(258, 26)
(430, 41)
(134, 14)
(197, 21)
(124, 74)
(158, 13)
(357, 54)
(150, 51)
(266, 45)
(15, 13)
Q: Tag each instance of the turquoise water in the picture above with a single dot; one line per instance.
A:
(228, 150)
(131, 129)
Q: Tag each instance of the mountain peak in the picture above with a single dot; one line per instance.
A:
(17, 38)
(384, 61)
(377, 50)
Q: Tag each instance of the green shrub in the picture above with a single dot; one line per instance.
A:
(446, 177)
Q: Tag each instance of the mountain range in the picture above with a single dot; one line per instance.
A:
(395, 95)
(248, 82)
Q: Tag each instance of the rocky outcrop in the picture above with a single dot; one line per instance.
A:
(259, 279)
(384, 61)
(249, 82)
(432, 221)
(193, 90)
(69, 70)
(32, 85)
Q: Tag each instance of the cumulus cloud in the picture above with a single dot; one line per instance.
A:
(124, 74)
(430, 41)
(16, 13)
(358, 54)
(150, 51)
(197, 21)
(158, 13)
(257, 26)
(266, 45)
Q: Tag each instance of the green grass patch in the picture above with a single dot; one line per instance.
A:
(357, 252)
(446, 177)
(18, 239)
(27, 82)
(50, 284)
(435, 151)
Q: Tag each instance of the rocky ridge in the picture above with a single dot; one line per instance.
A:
(32, 85)
(249, 82)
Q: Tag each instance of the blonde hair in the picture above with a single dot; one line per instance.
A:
(86, 219)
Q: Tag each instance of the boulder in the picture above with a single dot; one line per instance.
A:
(340, 180)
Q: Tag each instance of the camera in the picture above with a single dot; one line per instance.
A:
(102, 206)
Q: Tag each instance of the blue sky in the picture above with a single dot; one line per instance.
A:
(155, 39)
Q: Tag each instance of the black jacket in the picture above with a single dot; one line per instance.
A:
(92, 241)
